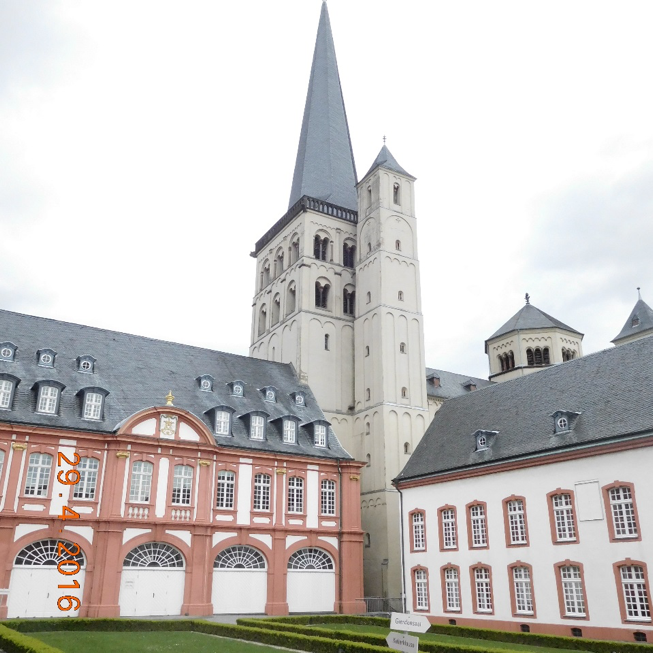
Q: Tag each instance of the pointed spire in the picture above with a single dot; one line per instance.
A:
(638, 324)
(386, 160)
(325, 166)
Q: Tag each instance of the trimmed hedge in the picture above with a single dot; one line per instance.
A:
(15, 642)
(529, 639)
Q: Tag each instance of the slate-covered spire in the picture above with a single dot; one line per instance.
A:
(325, 161)
(638, 324)
(385, 159)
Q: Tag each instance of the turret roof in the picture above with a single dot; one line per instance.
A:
(385, 160)
(639, 321)
(325, 167)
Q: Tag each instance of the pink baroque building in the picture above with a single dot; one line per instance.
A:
(233, 496)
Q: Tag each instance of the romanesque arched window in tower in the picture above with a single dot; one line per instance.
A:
(348, 255)
(538, 356)
(266, 274)
(262, 319)
(546, 359)
(511, 360)
(406, 447)
(291, 299)
(276, 310)
(278, 263)
(402, 347)
(404, 393)
(326, 342)
(396, 193)
(294, 251)
(398, 245)
(530, 359)
(320, 248)
(321, 295)
(348, 301)
(400, 295)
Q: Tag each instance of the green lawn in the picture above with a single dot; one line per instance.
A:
(143, 642)
(449, 639)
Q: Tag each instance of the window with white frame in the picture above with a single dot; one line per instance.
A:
(563, 514)
(257, 428)
(421, 590)
(48, 399)
(452, 588)
(141, 481)
(572, 591)
(623, 512)
(419, 533)
(88, 471)
(448, 525)
(182, 481)
(93, 405)
(328, 497)
(478, 525)
(6, 390)
(222, 422)
(521, 578)
(262, 484)
(225, 492)
(295, 494)
(635, 593)
(38, 475)
(516, 521)
(289, 431)
(483, 587)
(320, 435)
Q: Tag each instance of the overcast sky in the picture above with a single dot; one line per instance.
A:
(146, 145)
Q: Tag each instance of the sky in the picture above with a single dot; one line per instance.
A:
(145, 145)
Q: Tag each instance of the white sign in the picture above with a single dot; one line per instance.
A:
(404, 643)
(416, 623)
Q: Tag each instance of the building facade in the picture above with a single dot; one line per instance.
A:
(118, 498)
(526, 505)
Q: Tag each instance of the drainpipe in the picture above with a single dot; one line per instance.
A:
(340, 535)
(401, 536)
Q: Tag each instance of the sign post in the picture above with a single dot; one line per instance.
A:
(403, 643)
(406, 643)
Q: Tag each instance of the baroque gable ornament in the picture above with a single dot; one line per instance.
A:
(168, 425)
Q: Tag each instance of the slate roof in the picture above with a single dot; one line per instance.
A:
(451, 384)
(385, 159)
(530, 317)
(325, 166)
(644, 314)
(138, 372)
(612, 390)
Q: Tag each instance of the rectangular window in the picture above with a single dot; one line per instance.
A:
(257, 428)
(141, 481)
(182, 482)
(623, 512)
(516, 522)
(88, 469)
(289, 431)
(483, 589)
(225, 494)
(635, 593)
(320, 435)
(92, 405)
(448, 526)
(452, 589)
(222, 422)
(328, 497)
(295, 494)
(563, 514)
(478, 525)
(38, 475)
(572, 591)
(47, 402)
(521, 577)
(6, 388)
(262, 492)
(419, 533)
(421, 590)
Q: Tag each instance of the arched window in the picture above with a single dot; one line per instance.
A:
(502, 362)
(398, 245)
(154, 554)
(369, 248)
(369, 196)
(402, 347)
(538, 356)
(310, 559)
(511, 360)
(326, 342)
(396, 193)
(529, 357)
(266, 273)
(294, 252)
(367, 350)
(321, 295)
(369, 297)
(404, 393)
(278, 263)
(239, 557)
(406, 447)
(348, 302)
(262, 320)
(320, 248)
(367, 428)
(291, 300)
(368, 458)
(400, 295)
(367, 394)
(545, 356)
(276, 310)
(348, 255)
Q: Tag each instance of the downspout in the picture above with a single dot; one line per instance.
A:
(401, 536)
(340, 535)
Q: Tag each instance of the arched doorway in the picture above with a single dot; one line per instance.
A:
(33, 590)
(240, 581)
(311, 581)
(152, 581)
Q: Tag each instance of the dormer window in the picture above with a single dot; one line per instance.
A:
(205, 382)
(484, 439)
(635, 321)
(238, 389)
(257, 427)
(7, 351)
(564, 421)
(46, 357)
(481, 442)
(48, 398)
(7, 391)
(270, 394)
(300, 399)
(93, 404)
(320, 435)
(86, 364)
(221, 416)
(289, 431)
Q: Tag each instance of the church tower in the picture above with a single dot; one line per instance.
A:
(338, 296)
(638, 325)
